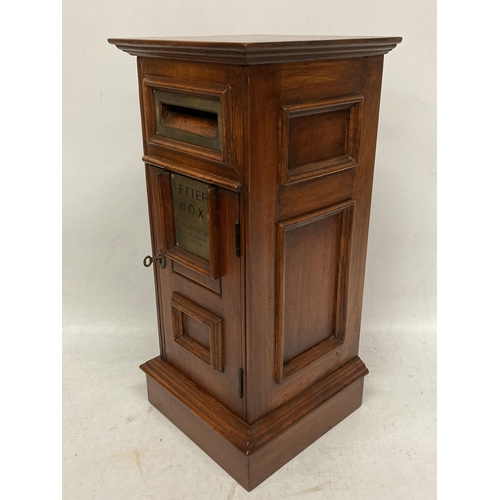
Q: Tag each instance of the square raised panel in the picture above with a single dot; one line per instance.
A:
(197, 330)
(320, 137)
(313, 275)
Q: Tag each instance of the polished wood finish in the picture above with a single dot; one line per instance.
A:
(205, 342)
(312, 292)
(306, 150)
(206, 134)
(259, 345)
(252, 452)
(275, 87)
(200, 329)
(256, 49)
(233, 185)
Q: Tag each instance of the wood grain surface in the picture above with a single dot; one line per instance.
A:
(259, 343)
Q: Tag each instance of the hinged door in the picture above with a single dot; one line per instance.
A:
(195, 237)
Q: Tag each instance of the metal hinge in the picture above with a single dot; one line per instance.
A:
(240, 383)
(237, 238)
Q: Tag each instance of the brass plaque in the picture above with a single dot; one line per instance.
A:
(189, 199)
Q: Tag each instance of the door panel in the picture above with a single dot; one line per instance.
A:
(199, 316)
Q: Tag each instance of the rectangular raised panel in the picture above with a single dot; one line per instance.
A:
(310, 268)
(313, 272)
(188, 117)
(197, 330)
(320, 137)
(316, 137)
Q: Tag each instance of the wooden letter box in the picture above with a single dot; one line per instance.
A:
(259, 156)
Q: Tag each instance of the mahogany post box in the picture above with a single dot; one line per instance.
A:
(259, 155)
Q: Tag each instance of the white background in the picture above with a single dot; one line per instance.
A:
(106, 231)
(115, 445)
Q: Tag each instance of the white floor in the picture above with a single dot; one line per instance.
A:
(117, 446)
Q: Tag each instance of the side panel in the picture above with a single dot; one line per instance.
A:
(305, 272)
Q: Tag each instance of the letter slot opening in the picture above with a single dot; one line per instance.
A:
(193, 120)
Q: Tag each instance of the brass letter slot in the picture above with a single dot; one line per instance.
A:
(189, 119)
